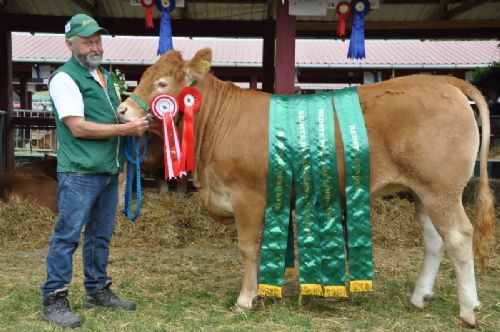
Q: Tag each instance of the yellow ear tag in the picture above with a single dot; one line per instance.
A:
(206, 65)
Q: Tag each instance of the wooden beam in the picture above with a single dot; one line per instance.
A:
(135, 26)
(284, 62)
(442, 8)
(408, 29)
(424, 2)
(268, 54)
(6, 134)
(86, 7)
(465, 7)
(232, 2)
(256, 29)
(22, 122)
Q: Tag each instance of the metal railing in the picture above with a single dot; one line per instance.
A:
(33, 140)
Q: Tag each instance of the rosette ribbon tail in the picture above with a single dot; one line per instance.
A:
(171, 148)
(187, 153)
(148, 15)
(189, 100)
(165, 43)
(357, 42)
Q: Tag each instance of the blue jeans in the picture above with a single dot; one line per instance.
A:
(84, 201)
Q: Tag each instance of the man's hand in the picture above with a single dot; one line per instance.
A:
(91, 130)
(137, 127)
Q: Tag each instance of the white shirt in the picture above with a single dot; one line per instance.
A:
(66, 95)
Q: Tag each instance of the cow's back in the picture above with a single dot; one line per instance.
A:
(419, 128)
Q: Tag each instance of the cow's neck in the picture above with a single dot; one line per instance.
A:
(214, 120)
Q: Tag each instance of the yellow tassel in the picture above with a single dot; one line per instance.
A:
(335, 291)
(311, 289)
(269, 290)
(356, 286)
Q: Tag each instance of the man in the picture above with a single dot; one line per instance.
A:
(90, 156)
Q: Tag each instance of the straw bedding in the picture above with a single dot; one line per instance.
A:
(173, 220)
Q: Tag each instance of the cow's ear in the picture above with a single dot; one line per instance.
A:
(199, 65)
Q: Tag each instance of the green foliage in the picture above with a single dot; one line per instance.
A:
(487, 79)
(119, 80)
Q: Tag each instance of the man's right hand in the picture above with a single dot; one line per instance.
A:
(137, 127)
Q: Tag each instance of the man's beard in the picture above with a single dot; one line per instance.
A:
(91, 61)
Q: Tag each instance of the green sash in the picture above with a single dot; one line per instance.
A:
(279, 180)
(357, 188)
(301, 140)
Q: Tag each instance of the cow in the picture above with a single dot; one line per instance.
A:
(423, 139)
(35, 182)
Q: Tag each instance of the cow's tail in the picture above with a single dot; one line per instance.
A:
(484, 238)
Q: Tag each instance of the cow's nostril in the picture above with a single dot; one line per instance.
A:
(122, 111)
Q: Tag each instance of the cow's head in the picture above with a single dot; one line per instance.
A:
(168, 75)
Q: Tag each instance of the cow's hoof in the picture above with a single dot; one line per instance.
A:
(240, 310)
(245, 303)
(420, 301)
(467, 325)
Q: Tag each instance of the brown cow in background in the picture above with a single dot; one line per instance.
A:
(423, 140)
(36, 181)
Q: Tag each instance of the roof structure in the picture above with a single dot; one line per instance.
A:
(390, 19)
(317, 53)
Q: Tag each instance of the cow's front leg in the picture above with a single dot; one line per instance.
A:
(249, 217)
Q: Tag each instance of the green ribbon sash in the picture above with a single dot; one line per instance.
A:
(357, 188)
(302, 148)
(279, 180)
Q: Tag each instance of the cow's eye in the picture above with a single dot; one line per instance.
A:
(162, 84)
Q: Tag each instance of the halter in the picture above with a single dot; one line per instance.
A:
(140, 102)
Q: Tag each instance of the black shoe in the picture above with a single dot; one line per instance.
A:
(106, 298)
(56, 310)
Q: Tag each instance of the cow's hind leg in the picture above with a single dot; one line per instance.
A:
(433, 253)
(249, 216)
(454, 226)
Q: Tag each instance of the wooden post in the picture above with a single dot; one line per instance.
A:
(285, 50)
(268, 53)
(7, 148)
(253, 82)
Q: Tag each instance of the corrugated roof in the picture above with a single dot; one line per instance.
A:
(322, 53)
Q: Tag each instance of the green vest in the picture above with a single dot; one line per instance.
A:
(90, 156)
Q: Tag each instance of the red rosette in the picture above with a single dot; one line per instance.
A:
(164, 107)
(189, 100)
(148, 12)
(343, 10)
(164, 103)
(189, 97)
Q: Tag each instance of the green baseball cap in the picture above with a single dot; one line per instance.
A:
(82, 25)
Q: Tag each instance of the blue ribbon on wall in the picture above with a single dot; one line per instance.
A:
(360, 9)
(166, 7)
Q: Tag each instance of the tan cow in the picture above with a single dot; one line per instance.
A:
(423, 139)
(35, 182)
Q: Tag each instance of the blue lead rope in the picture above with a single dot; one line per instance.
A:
(134, 160)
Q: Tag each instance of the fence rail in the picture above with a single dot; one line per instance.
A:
(34, 132)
